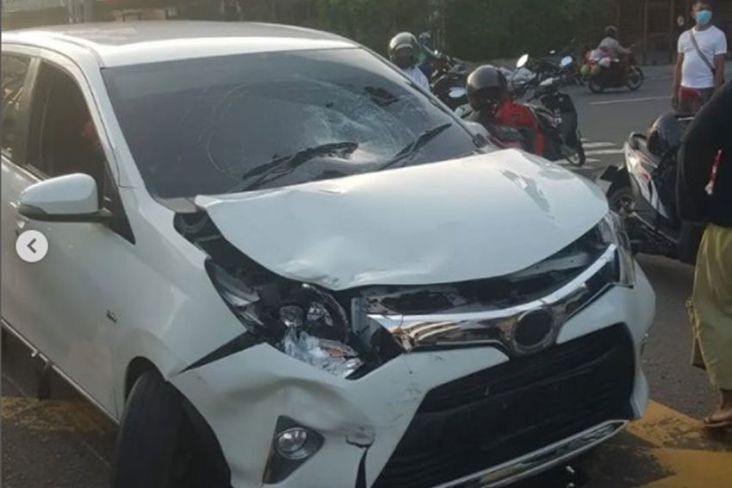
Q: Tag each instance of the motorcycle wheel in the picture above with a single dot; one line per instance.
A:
(578, 158)
(595, 85)
(635, 78)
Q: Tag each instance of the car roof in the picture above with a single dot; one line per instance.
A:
(128, 43)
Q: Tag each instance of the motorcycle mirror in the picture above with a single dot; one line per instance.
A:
(522, 61)
(566, 61)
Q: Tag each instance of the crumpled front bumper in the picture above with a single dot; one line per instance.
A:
(362, 421)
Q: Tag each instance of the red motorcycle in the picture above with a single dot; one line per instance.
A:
(602, 72)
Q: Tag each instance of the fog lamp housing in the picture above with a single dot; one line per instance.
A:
(292, 446)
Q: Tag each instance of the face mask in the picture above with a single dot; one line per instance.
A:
(704, 17)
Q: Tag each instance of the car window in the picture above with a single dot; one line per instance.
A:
(14, 111)
(244, 122)
(64, 139)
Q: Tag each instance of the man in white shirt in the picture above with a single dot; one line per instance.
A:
(700, 65)
(403, 52)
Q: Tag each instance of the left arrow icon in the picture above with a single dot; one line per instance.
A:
(31, 246)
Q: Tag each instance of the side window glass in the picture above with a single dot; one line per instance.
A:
(64, 137)
(14, 110)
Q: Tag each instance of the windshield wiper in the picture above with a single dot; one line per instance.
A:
(413, 148)
(282, 166)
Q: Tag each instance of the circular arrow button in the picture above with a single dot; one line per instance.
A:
(31, 246)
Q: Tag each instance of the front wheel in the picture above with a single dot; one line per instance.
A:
(578, 158)
(635, 78)
(160, 442)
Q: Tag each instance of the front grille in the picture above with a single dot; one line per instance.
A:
(505, 412)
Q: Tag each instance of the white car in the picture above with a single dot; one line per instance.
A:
(275, 262)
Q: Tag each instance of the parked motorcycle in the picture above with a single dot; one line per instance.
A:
(604, 73)
(555, 112)
(448, 81)
(566, 64)
(642, 192)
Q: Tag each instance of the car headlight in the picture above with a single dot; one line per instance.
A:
(612, 231)
(300, 320)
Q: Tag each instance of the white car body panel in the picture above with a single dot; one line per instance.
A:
(98, 302)
(119, 44)
(378, 406)
(427, 224)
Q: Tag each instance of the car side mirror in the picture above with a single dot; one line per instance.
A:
(69, 198)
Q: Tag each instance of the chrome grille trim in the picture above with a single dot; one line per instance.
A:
(497, 326)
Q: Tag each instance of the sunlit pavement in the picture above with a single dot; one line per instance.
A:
(66, 443)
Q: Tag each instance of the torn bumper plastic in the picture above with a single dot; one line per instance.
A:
(362, 421)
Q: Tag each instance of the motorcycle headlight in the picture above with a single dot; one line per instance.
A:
(612, 231)
(300, 320)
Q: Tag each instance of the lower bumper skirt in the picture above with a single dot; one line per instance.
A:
(540, 460)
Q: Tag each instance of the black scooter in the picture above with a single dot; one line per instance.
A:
(643, 193)
(555, 111)
(448, 81)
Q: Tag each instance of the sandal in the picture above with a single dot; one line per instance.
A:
(723, 423)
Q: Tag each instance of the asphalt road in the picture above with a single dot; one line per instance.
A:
(65, 443)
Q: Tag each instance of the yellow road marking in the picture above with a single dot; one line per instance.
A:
(666, 428)
(680, 445)
(53, 415)
(694, 469)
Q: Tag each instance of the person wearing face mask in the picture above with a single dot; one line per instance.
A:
(700, 65)
(404, 52)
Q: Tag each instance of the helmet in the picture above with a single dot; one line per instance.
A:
(611, 31)
(425, 39)
(665, 135)
(487, 88)
(403, 50)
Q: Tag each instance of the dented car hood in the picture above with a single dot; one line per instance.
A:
(478, 217)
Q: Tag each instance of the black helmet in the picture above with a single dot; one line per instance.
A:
(487, 88)
(403, 50)
(665, 135)
(425, 39)
(611, 31)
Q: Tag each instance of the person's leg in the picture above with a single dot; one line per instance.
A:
(712, 316)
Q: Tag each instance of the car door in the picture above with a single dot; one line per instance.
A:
(17, 76)
(72, 292)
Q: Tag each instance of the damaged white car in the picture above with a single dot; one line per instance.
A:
(276, 262)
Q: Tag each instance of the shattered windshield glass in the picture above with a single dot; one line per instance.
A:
(254, 121)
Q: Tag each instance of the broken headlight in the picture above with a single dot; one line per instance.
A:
(612, 231)
(300, 320)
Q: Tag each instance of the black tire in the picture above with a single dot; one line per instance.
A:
(636, 78)
(595, 85)
(158, 445)
(580, 158)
